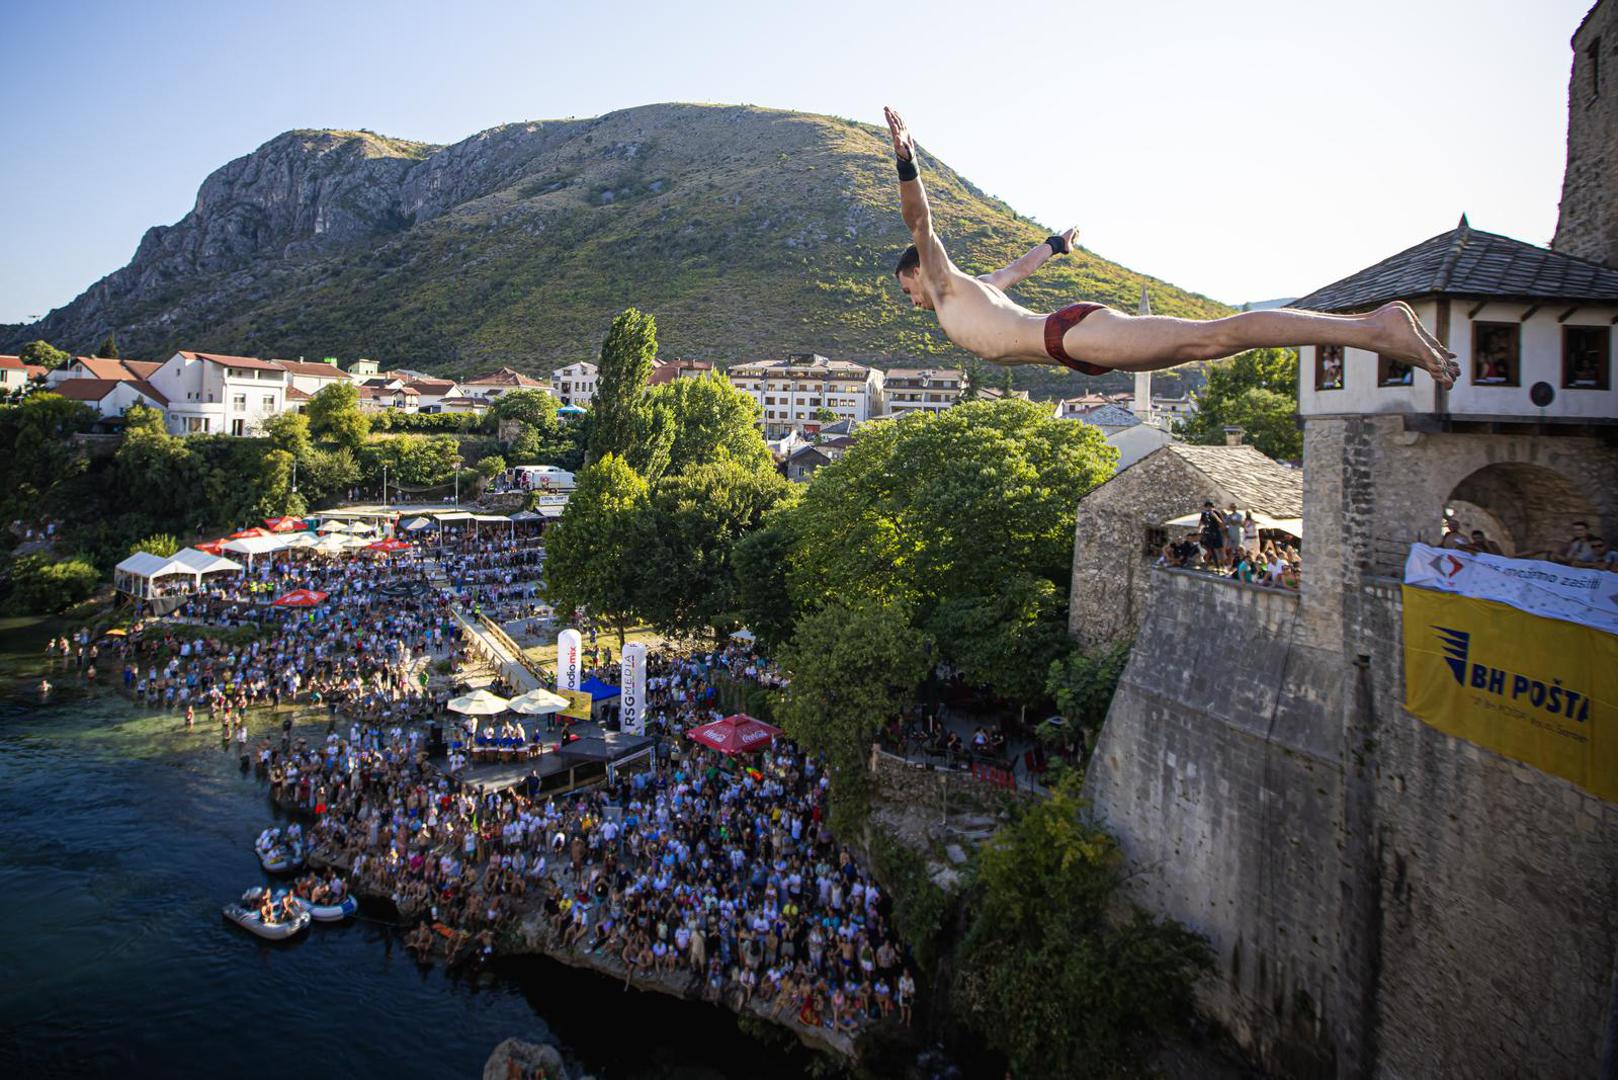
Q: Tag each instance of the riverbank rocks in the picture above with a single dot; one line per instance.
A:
(515, 1059)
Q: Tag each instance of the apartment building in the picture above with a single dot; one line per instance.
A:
(798, 392)
(575, 384)
(908, 390)
(221, 395)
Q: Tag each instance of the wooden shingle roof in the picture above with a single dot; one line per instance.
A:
(1471, 263)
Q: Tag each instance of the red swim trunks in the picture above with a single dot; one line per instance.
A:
(1057, 325)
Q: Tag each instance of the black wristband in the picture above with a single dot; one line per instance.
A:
(907, 168)
(1058, 244)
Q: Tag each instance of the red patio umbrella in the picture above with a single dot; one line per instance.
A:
(390, 545)
(212, 547)
(284, 524)
(738, 734)
(248, 534)
(301, 598)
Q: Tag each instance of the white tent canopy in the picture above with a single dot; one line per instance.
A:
(332, 527)
(500, 518)
(527, 515)
(416, 524)
(453, 515)
(258, 545)
(1293, 526)
(200, 562)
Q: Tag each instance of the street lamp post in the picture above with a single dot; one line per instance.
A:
(384, 486)
(456, 464)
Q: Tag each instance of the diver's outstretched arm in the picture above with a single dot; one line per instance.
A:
(1037, 256)
(918, 216)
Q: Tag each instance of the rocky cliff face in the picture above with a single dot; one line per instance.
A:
(747, 232)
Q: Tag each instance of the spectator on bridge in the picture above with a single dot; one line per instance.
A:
(1212, 528)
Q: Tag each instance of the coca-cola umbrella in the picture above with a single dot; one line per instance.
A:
(212, 547)
(284, 524)
(736, 734)
(301, 598)
(390, 546)
(249, 534)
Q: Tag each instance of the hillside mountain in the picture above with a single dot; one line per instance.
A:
(748, 232)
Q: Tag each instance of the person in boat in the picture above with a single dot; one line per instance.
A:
(289, 906)
(266, 908)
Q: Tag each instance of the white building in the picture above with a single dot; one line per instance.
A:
(493, 384)
(909, 390)
(310, 377)
(221, 395)
(1133, 437)
(1531, 328)
(13, 374)
(112, 397)
(432, 394)
(575, 384)
(791, 393)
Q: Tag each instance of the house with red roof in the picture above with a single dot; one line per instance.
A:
(490, 385)
(13, 374)
(112, 397)
(211, 393)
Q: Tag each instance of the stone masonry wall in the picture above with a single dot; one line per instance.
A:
(1219, 770)
(1588, 223)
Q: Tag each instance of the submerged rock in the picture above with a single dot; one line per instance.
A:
(518, 1060)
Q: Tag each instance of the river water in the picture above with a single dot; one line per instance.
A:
(121, 837)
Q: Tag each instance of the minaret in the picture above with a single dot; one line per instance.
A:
(1143, 379)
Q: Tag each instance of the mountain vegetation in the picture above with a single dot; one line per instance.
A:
(745, 232)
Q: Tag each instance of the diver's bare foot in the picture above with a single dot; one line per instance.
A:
(1406, 340)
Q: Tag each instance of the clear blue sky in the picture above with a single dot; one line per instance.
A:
(1248, 149)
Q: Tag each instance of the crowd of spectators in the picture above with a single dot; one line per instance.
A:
(1233, 545)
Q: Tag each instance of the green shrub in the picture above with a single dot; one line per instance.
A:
(41, 585)
(160, 544)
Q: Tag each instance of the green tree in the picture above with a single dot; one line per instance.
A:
(533, 407)
(852, 670)
(593, 551)
(44, 585)
(289, 431)
(44, 354)
(1256, 390)
(160, 544)
(763, 595)
(108, 349)
(276, 497)
(965, 518)
(695, 518)
(327, 474)
(973, 376)
(42, 458)
(1048, 974)
(712, 421)
(334, 414)
(627, 356)
(140, 418)
(1083, 684)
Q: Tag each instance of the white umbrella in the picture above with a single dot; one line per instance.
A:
(361, 528)
(416, 524)
(538, 703)
(303, 540)
(332, 527)
(478, 703)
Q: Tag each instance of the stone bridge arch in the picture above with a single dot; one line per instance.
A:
(1525, 508)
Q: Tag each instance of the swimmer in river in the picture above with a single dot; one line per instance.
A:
(977, 315)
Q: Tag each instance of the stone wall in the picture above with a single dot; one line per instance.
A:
(1219, 770)
(1588, 223)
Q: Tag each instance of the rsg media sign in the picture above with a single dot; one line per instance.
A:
(632, 706)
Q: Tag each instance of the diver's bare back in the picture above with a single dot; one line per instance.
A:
(986, 322)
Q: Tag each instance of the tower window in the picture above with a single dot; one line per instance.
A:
(1496, 350)
(1328, 367)
(1592, 59)
(1586, 357)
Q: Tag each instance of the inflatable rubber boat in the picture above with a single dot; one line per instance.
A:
(332, 912)
(278, 855)
(247, 917)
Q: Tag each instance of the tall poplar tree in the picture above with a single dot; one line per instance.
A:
(627, 356)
